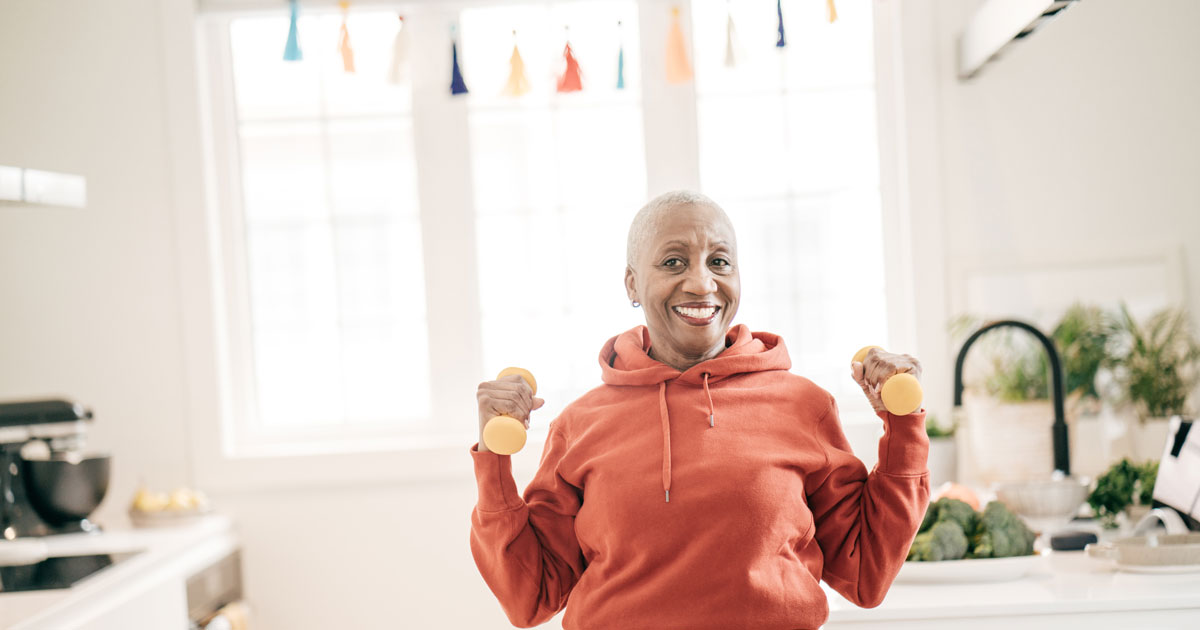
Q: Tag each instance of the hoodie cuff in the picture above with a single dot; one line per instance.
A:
(904, 447)
(493, 476)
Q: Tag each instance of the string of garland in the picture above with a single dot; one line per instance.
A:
(678, 68)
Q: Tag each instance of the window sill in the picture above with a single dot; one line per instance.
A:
(342, 466)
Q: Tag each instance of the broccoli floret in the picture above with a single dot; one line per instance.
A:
(1001, 534)
(959, 512)
(944, 541)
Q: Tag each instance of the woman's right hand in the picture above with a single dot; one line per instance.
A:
(508, 396)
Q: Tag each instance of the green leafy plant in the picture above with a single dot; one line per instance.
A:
(1122, 485)
(1084, 338)
(1156, 363)
(934, 429)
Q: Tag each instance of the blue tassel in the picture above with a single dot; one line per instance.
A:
(621, 69)
(457, 85)
(782, 42)
(291, 52)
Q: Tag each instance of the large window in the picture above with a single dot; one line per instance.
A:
(331, 231)
(788, 144)
(325, 185)
(557, 178)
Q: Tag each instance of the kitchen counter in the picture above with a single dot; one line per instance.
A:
(168, 555)
(1065, 588)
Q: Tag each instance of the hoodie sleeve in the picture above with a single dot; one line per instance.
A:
(525, 548)
(865, 523)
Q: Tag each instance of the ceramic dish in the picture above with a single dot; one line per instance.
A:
(970, 570)
(1169, 553)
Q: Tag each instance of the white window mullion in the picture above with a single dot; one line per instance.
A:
(668, 110)
(448, 226)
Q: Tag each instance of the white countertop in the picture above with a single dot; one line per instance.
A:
(1061, 583)
(166, 553)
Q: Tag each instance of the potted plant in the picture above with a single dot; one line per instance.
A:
(1006, 406)
(943, 454)
(1125, 488)
(1085, 337)
(1156, 368)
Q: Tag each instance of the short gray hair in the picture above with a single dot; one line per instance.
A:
(647, 218)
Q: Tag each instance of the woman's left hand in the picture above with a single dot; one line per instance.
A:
(876, 368)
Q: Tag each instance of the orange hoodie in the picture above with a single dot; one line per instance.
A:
(711, 498)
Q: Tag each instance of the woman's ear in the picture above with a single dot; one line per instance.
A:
(630, 283)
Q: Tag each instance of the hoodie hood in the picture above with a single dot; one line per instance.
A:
(625, 361)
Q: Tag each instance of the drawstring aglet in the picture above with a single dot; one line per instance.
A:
(668, 495)
(710, 421)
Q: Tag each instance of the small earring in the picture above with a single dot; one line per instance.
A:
(635, 303)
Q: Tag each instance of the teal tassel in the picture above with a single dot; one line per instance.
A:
(621, 58)
(292, 51)
(621, 69)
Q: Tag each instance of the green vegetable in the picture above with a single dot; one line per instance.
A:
(944, 541)
(1001, 534)
(1124, 484)
(952, 530)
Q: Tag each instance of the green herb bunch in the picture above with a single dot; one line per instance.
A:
(1124, 484)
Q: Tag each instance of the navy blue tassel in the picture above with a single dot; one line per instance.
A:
(457, 85)
(782, 42)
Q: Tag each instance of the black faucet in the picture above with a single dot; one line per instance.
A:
(1062, 457)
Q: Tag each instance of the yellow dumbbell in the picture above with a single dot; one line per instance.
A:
(505, 435)
(901, 393)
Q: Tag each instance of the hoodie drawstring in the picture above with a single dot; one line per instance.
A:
(711, 421)
(666, 428)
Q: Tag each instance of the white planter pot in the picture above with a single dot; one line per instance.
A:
(1007, 441)
(1148, 438)
(943, 461)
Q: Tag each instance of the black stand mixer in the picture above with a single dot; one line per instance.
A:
(47, 485)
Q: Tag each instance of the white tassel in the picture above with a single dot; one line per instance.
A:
(398, 70)
(730, 57)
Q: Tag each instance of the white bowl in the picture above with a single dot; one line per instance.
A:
(1045, 505)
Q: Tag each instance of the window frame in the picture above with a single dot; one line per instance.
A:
(214, 300)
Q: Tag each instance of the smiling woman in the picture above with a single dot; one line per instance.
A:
(755, 454)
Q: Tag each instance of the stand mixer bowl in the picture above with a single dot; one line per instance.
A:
(64, 488)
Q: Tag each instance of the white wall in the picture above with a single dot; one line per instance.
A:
(1082, 140)
(1077, 146)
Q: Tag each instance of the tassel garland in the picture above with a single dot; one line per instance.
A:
(291, 52)
(679, 70)
(344, 39)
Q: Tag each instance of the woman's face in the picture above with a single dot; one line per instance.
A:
(688, 283)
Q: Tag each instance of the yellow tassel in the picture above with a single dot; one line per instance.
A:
(831, 11)
(679, 70)
(344, 39)
(518, 83)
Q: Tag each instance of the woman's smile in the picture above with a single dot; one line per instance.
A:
(697, 313)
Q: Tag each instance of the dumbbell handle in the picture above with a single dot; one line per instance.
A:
(504, 434)
(901, 393)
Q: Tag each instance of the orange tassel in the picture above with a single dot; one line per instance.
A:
(344, 40)
(830, 11)
(572, 79)
(679, 70)
(518, 83)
